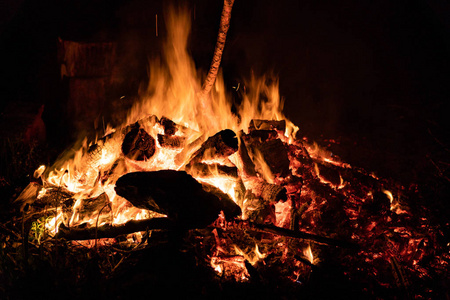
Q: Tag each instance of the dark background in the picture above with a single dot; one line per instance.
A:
(372, 75)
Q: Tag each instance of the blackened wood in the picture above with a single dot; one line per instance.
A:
(169, 126)
(210, 170)
(230, 209)
(268, 192)
(108, 142)
(296, 234)
(246, 164)
(257, 124)
(171, 141)
(112, 231)
(174, 193)
(275, 155)
(262, 135)
(138, 144)
(221, 145)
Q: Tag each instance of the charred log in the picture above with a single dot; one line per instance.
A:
(169, 126)
(110, 231)
(176, 194)
(209, 170)
(268, 192)
(262, 135)
(275, 155)
(138, 144)
(171, 141)
(221, 145)
(245, 162)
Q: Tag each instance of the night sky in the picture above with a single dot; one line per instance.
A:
(372, 74)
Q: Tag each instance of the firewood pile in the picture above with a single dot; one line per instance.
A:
(288, 209)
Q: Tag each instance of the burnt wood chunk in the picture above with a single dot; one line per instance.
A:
(257, 124)
(176, 194)
(171, 141)
(169, 126)
(275, 155)
(221, 145)
(209, 170)
(262, 135)
(268, 192)
(138, 144)
(245, 163)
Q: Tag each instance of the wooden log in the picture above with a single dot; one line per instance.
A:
(268, 192)
(112, 231)
(257, 124)
(138, 144)
(262, 135)
(275, 155)
(257, 210)
(170, 127)
(108, 143)
(171, 141)
(221, 145)
(203, 170)
(176, 194)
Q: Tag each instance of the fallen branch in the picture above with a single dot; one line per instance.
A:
(112, 231)
(267, 228)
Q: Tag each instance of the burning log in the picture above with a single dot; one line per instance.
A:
(275, 155)
(170, 128)
(221, 145)
(245, 162)
(257, 124)
(176, 194)
(262, 135)
(210, 170)
(267, 228)
(268, 192)
(171, 141)
(138, 144)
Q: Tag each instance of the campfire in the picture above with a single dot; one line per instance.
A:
(240, 189)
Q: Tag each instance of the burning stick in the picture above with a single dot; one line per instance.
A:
(221, 145)
(296, 234)
(220, 44)
(109, 231)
